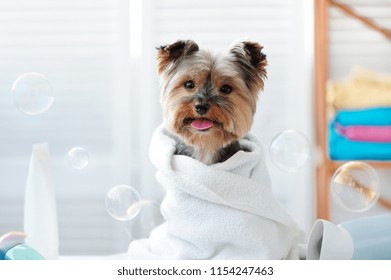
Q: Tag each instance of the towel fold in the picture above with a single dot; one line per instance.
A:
(365, 133)
(341, 148)
(378, 116)
(365, 89)
(223, 211)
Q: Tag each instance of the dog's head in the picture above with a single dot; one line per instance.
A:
(209, 100)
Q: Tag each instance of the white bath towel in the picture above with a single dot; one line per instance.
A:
(222, 211)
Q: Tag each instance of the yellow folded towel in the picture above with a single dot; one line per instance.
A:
(364, 89)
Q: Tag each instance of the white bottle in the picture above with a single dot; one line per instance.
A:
(40, 212)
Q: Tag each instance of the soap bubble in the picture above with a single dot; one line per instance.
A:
(289, 150)
(123, 203)
(150, 216)
(355, 186)
(148, 219)
(33, 93)
(78, 158)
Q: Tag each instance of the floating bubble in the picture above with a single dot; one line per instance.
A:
(289, 150)
(355, 186)
(148, 219)
(78, 158)
(150, 216)
(33, 93)
(123, 203)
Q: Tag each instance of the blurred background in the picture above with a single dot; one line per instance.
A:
(99, 57)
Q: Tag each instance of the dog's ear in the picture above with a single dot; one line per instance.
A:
(169, 55)
(251, 61)
(256, 56)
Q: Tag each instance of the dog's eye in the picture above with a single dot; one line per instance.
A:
(226, 89)
(189, 84)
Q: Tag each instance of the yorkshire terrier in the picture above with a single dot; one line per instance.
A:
(209, 100)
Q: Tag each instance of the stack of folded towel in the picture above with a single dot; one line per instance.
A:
(361, 127)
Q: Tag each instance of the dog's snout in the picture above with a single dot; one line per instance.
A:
(202, 109)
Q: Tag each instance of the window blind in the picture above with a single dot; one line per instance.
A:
(354, 44)
(81, 47)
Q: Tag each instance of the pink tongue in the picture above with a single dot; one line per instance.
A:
(201, 124)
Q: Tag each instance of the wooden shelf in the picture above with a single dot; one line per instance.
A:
(327, 167)
(334, 164)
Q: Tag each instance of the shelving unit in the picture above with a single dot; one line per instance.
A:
(326, 167)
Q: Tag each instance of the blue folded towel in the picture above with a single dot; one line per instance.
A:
(340, 148)
(370, 116)
(371, 237)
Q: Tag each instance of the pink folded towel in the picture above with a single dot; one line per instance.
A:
(365, 133)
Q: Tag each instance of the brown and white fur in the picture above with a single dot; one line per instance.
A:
(220, 90)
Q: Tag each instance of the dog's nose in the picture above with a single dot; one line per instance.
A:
(202, 109)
